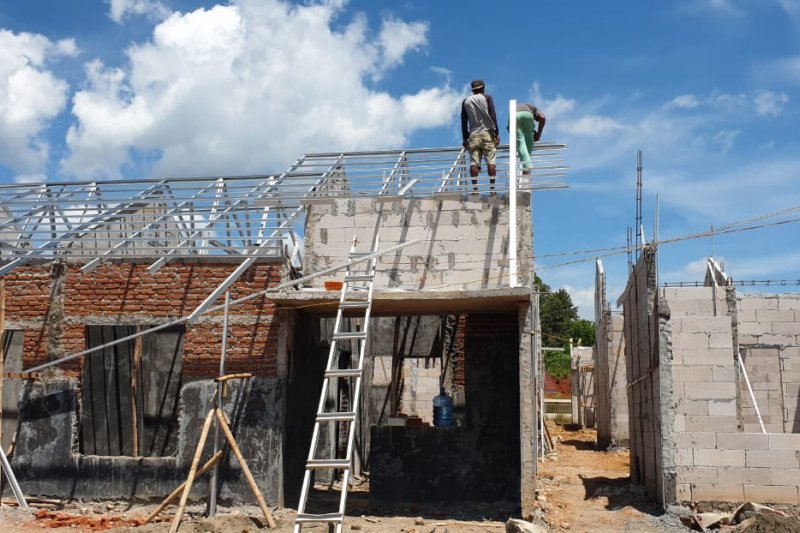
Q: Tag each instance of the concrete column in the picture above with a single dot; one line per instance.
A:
(527, 412)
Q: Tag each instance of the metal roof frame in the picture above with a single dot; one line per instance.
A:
(242, 218)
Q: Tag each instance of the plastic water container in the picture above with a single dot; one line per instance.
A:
(442, 410)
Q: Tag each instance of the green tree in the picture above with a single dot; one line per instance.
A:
(557, 364)
(582, 332)
(559, 318)
(557, 314)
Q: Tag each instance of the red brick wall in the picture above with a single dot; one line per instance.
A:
(128, 294)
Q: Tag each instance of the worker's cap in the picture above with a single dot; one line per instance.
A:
(477, 84)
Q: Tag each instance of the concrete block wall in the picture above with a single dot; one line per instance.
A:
(645, 380)
(730, 466)
(610, 373)
(769, 319)
(769, 337)
(464, 243)
(718, 450)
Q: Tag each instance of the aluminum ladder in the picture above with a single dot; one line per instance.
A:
(354, 284)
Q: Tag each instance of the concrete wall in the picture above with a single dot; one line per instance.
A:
(46, 461)
(478, 462)
(464, 242)
(610, 373)
(50, 305)
(711, 445)
(649, 381)
(769, 337)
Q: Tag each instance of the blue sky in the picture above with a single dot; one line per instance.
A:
(707, 89)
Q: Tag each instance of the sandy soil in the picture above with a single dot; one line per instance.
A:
(580, 490)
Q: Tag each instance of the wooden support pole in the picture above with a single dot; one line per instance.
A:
(2, 355)
(223, 424)
(137, 359)
(192, 471)
(174, 494)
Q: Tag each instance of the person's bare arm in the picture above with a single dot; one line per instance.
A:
(540, 118)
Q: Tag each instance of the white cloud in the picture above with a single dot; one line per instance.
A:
(398, 38)
(760, 267)
(770, 103)
(785, 70)
(718, 7)
(592, 125)
(583, 299)
(30, 96)
(764, 101)
(120, 9)
(246, 88)
(684, 101)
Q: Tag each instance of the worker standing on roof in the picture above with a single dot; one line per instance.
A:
(480, 132)
(527, 116)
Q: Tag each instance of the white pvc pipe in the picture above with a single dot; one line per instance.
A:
(750, 389)
(512, 193)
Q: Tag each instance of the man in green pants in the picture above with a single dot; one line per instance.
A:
(527, 115)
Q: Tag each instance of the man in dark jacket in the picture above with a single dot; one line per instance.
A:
(480, 132)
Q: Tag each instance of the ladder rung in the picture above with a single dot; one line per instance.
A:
(357, 287)
(344, 416)
(359, 277)
(305, 518)
(343, 373)
(328, 463)
(354, 304)
(344, 335)
(356, 255)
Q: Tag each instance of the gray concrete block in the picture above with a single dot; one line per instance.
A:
(743, 476)
(684, 457)
(697, 474)
(723, 373)
(710, 391)
(773, 458)
(756, 302)
(720, 458)
(683, 492)
(771, 338)
(687, 373)
(689, 341)
(722, 408)
(786, 328)
(784, 441)
(696, 439)
(709, 356)
(720, 340)
(742, 441)
(784, 476)
(723, 424)
(775, 315)
(771, 494)
(716, 492)
(702, 324)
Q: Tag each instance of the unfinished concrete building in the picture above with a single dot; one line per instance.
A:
(713, 389)
(610, 373)
(109, 411)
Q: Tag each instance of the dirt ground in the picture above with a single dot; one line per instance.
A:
(579, 489)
